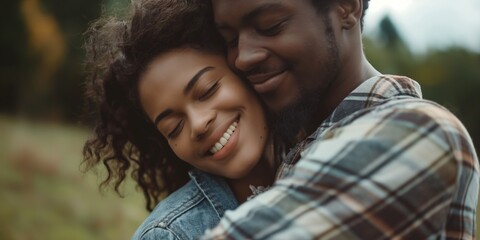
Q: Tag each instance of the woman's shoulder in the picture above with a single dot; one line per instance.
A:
(189, 211)
(178, 204)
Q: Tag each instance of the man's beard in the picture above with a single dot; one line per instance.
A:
(289, 122)
(295, 118)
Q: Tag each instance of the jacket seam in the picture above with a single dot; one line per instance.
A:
(175, 213)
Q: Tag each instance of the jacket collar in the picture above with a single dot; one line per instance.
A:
(216, 190)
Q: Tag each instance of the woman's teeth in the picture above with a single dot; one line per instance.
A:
(224, 139)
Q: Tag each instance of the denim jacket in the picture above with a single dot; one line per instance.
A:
(189, 211)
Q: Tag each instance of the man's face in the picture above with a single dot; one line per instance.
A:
(286, 48)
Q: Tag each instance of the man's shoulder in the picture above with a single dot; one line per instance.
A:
(416, 112)
(404, 130)
(404, 110)
(405, 116)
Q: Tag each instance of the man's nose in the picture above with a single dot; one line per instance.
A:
(250, 53)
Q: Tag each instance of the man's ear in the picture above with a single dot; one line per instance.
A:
(350, 12)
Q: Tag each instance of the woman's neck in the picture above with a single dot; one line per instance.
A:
(263, 174)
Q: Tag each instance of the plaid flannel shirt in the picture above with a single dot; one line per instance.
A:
(384, 165)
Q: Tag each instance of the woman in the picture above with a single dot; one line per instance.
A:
(170, 110)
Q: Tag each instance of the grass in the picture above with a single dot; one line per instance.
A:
(45, 196)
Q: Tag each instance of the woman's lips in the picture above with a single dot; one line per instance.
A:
(210, 144)
(224, 139)
(226, 149)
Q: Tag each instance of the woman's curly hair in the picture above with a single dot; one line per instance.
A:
(118, 51)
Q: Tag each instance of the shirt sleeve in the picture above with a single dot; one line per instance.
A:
(384, 175)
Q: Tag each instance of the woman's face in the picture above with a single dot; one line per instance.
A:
(210, 119)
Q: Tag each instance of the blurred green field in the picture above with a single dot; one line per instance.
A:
(43, 194)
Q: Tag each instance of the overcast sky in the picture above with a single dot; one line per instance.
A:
(428, 24)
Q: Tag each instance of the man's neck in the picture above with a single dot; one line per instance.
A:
(347, 81)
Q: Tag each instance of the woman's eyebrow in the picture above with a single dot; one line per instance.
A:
(162, 115)
(195, 78)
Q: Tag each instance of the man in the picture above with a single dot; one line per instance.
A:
(373, 161)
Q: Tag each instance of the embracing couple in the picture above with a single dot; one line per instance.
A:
(263, 119)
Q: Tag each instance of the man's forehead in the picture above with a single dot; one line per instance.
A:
(245, 10)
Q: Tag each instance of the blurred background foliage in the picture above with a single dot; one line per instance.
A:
(43, 194)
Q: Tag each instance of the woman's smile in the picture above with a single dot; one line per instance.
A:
(224, 150)
(224, 139)
(209, 117)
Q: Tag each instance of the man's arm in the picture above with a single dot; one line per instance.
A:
(387, 174)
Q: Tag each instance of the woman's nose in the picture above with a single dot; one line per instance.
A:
(201, 122)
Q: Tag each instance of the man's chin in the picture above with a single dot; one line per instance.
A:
(276, 107)
(289, 120)
(279, 104)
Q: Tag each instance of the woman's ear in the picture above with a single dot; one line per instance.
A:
(350, 12)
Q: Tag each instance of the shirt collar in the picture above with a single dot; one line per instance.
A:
(371, 92)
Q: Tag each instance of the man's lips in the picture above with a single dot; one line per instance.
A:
(259, 78)
(264, 83)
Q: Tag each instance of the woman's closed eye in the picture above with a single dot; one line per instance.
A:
(176, 130)
(210, 90)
